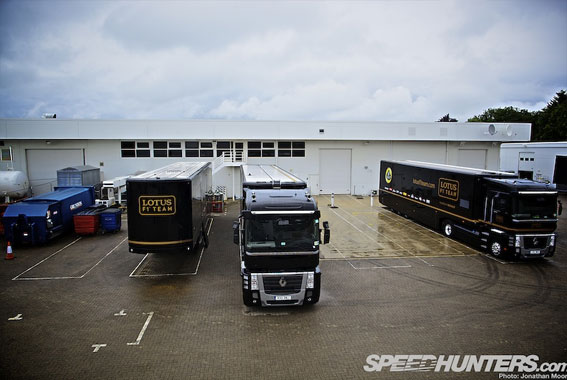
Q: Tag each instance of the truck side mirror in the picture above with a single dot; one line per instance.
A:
(235, 232)
(326, 233)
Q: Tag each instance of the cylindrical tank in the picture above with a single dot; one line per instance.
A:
(14, 184)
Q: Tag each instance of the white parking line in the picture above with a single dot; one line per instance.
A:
(18, 278)
(47, 258)
(141, 334)
(132, 275)
(372, 238)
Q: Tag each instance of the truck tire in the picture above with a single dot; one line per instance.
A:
(495, 249)
(447, 228)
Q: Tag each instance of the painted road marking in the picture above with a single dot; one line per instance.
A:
(120, 313)
(16, 318)
(132, 275)
(98, 347)
(442, 237)
(141, 334)
(48, 257)
(18, 278)
(372, 238)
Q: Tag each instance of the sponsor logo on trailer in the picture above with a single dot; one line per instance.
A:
(156, 205)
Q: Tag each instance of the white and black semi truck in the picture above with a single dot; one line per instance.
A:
(279, 236)
(493, 211)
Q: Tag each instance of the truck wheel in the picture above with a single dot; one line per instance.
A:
(496, 249)
(447, 228)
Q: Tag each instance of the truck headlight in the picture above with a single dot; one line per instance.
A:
(310, 280)
(518, 242)
(253, 282)
(552, 241)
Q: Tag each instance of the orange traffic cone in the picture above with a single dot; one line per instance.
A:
(9, 254)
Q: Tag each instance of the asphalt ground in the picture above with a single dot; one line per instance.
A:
(87, 308)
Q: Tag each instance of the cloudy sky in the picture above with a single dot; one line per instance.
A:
(279, 60)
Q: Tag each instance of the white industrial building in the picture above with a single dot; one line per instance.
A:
(542, 161)
(334, 157)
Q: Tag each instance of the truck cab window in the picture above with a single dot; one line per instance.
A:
(534, 207)
(275, 232)
(500, 208)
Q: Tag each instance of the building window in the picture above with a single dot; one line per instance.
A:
(191, 148)
(127, 149)
(6, 154)
(223, 146)
(261, 149)
(142, 149)
(160, 149)
(174, 149)
(206, 149)
(291, 149)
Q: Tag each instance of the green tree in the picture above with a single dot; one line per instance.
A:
(447, 118)
(550, 124)
(504, 115)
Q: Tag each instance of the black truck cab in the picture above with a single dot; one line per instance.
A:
(523, 214)
(279, 235)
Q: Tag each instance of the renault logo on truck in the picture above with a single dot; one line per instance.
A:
(153, 205)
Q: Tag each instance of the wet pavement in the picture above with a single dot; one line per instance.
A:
(87, 308)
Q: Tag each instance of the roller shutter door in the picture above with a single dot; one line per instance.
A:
(335, 171)
(42, 165)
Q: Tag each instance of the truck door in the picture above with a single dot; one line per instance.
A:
(496, 207)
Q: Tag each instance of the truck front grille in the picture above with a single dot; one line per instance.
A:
(282, 284)
(539, 242)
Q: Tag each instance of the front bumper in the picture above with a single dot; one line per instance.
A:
(282, 288)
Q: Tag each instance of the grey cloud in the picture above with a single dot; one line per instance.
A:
(279, 60)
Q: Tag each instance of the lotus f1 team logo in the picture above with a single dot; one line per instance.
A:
(388, 175)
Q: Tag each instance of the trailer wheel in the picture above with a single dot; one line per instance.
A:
(204, 237)
(496, 249)
(447, 228)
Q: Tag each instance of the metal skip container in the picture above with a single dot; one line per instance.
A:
(39, 219)
(167, 209)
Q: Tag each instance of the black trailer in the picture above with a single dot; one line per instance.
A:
(278, 233)
(492, 210)
(167, 210)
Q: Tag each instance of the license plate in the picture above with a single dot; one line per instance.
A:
(283, 298)
(535, 252)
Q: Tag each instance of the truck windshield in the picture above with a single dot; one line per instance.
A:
(282, 233)
(530, 207)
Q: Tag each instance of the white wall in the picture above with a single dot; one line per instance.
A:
(366, 156)
(544, 158)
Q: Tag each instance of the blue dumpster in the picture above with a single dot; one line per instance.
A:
(39, 219)
(111, 220)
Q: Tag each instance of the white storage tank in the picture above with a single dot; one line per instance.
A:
(14, 184)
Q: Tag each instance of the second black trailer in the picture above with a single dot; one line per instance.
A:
(167, 210)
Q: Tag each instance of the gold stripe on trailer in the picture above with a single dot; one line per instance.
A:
(464, 218)
(159, 242)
